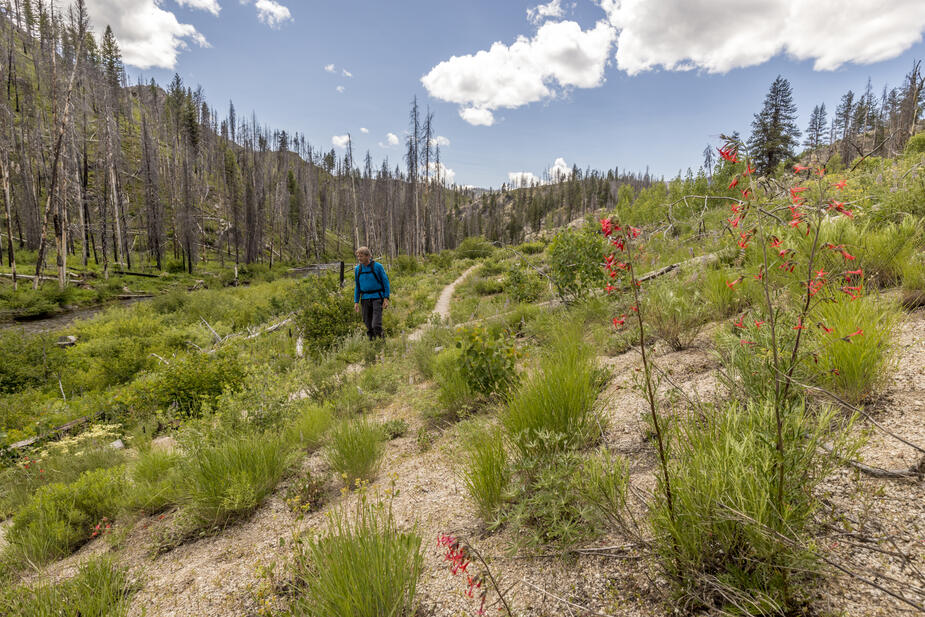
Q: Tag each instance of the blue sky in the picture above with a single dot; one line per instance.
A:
(604, 83)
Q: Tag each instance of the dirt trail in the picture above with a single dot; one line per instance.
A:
(221, 575)
(442, 308)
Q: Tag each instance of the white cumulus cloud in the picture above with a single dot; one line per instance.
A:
(206, 5)
(272, 13)
(476, 116)
(148, 35)
(442, 171)
(552, 9)
(346, 73)
(364, 130)
(559, 170)
(329, 68)
(340, 141)
(560, 55)
(440, 140)
(391, 140)
(721, 35)
(340, 89)
(520, 179)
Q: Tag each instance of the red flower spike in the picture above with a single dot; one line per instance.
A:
(617, 322)
(748, 169)
(827, 330)
(734, 183)
(743, 342)
(758, 324)
(746, 193)
(734, 222)
(731, 284)
(775, 242)
(609, 288)
(799, 168)
(841, 185)
(739, 324)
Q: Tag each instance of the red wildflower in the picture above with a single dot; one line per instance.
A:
(740, 323)
(743, 342)
(734, 183)
(609, 288)
(820, 274)
(799, 326)
(731, 284)
(635, 232)
(841, 185)
(606, 227)
(822, 325)
(748, 169)
(634, 308)
(758, 324)
(617, 322)
(728, 153)
(746, 193)
(799, 168)
(775, 242)
(734, 222)
(858, 272)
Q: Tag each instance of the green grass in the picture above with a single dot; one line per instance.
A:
(363, 565)
(310, 426)
(855, 366)
(355, 450)
(227, 480)
(100, 589)
(485, 468)
(674, 312)
(720, 543)
(557, 402)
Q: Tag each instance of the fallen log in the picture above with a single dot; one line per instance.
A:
(64, 428)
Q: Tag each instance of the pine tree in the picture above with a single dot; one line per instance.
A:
(774, 129)
(815, 133)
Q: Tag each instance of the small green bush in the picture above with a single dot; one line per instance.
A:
(61, 516)
(327, 317)
(915, 145)
(355, 450)
(395, 428)
(675, 315)
(486, 472)
(531, 248)
(229, 479)
(474, 247)
(558, 400)
(191, 381)
(487, 361)
(488, 287)
(406, 264)
(100, 589)
(28, 361)
(363, 565)
(523, 284)
(575, 258)
(603, 483)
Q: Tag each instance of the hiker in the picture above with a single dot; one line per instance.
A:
(370, 292)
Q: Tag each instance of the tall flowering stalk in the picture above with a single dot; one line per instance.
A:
(622, 238)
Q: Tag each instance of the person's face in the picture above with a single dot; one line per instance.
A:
(363, 258)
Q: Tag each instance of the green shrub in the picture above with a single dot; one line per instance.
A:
(555, 406)
(474, 247)
(575, 258)
(854, 367)
(523, 284)
(61, 516)
(406, 264)
(486, 472)
(487, 361)
(531, 248)
(28, 361)
(725, 542)
(100, 589)
(361, 566)
(675, 315)
(191, 381)
(395, 428)
(488, 287)
(307, 431)
(327, 317)
(915, 145)
(442, 260)
(547, 505)
(229, 479)
(355, 450)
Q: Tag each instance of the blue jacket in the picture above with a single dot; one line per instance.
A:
(370, 282)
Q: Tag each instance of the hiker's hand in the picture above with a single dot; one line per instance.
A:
(385, 303)
(356, 307)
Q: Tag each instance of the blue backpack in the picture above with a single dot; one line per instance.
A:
(375, 273)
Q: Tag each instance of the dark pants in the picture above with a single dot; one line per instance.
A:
(372, 317)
